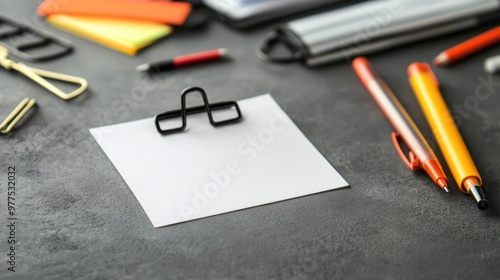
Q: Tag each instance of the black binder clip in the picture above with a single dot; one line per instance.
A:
(183, 112)
(19, 39)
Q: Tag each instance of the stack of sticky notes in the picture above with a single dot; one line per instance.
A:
(123, 25)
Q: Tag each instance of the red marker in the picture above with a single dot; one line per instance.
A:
(183, 60)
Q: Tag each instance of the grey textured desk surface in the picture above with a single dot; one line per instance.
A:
(77, 219)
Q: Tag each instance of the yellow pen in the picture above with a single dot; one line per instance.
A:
(426, 88)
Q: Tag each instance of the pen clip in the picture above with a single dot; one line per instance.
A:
(413, 162)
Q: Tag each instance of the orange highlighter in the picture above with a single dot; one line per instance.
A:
(420, 155)
(426, 88)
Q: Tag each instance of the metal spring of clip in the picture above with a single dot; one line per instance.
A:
(39, 75)
(19, 112)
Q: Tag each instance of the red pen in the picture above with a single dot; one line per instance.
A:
(421, 155)
(183, 60)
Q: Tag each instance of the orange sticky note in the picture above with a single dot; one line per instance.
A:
(174, 13)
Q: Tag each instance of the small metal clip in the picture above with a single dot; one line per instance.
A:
(207, 107)
(38, 76)
(21, 110)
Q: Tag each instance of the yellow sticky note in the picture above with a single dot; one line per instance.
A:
(127, 36)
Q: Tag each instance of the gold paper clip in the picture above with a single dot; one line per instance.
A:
(22, 109)
(38, 76)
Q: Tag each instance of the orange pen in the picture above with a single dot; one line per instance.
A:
(421, 155)
(469, 47)
(426, 89)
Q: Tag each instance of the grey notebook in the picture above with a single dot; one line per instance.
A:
(245, 13)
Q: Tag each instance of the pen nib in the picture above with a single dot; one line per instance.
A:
(142, 68)
(443, 183)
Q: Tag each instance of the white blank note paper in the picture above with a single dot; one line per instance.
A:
(206, 171)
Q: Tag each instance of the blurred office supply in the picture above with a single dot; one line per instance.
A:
(126, 36)
(125, 26)
(29, 43)
(373, 26)
(39, 76)
(492, 64)
(173, 13)
(245, 13)
(19, 112)
(469, 47)
(182, 61)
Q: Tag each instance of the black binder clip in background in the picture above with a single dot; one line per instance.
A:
(31, 44)
(207, 107)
